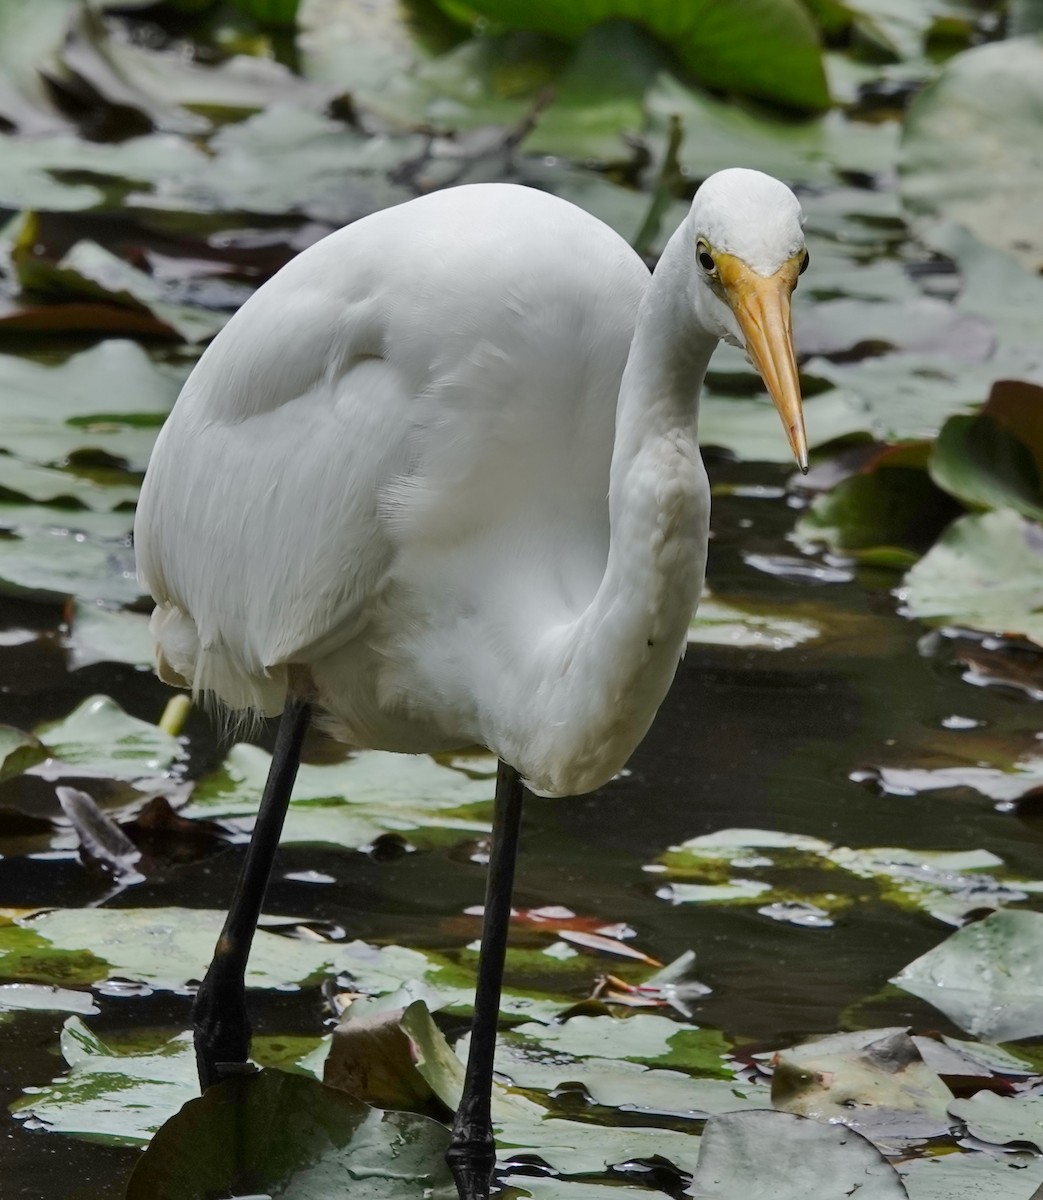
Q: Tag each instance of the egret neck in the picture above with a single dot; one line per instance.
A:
(610, 669)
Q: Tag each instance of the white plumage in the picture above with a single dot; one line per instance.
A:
(440, 474)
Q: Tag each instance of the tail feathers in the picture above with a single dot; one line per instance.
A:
(211, 672)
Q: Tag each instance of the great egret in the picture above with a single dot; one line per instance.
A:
(438, 479)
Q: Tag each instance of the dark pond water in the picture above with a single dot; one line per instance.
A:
(748, 737)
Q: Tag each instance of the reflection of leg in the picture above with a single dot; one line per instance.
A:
(222, 1029)
(472, 1152)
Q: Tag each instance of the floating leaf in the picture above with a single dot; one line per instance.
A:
(347, 803)
(954, 163)
(291, 1137)
(289, 160)
(767, 49)
(34, 997)
(985, 572)
(43, 173)
(886, 514)
(100, 634)
(751, 1154)
(717, 623)
(995, 459)
(18, 752)
(1002, 1120)
(987, 977)
(874, 1081)
(164, 947)
(99, 738)
(972, 1177)
(87, 269)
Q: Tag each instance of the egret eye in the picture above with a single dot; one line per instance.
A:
(705, 258)
(804, 263)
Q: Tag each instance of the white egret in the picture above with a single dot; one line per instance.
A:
(438, 480)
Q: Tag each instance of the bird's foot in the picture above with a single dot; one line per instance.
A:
(471, 1161)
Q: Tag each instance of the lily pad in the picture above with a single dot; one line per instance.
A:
(91, 271)
(31, 34)
(348, 803)
(768, 49)
(1002, 1120)
(955, 164)
(750, 1154)
(717, 623)
(292, 1137)
(289, 160)
(122, 1096)
(164, 947)
(18, 752)
(100, 634)
(987, 977)
(874, 1081)
(984, 573)
(110, 398)
(34, 997)
(99, 738)
(995, 459)
(886, 514)
(972, 1177)
(948, 885)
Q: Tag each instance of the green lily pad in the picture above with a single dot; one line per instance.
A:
(948, 885)
(994, 285)
(583, 1148)
(809, 151)
(91, 271)
(292, 1137)
(1002, 1120)
(749, 426)
(34, 997)
(717, 623)
(39, 173)
(954, 163)
(164, 947)
(289, 160)
(749, 1154)
(995, 459)
(984, 573)
(31, 34)
(110, 398)
(909, 395)
(885, 515)
(122, 1096)
(768, 49)
(529, 1064)
(348, 803)
(972, 1177)
(53, 564)
(100, 634)
(18, 752)
(99, 738)
(172, 89)
(987, 977)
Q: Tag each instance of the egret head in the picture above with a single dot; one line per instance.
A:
(749, 250)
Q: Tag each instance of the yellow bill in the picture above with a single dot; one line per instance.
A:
(761, 304)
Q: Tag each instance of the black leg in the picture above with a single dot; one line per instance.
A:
(222, 1029)
(472, 1151)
